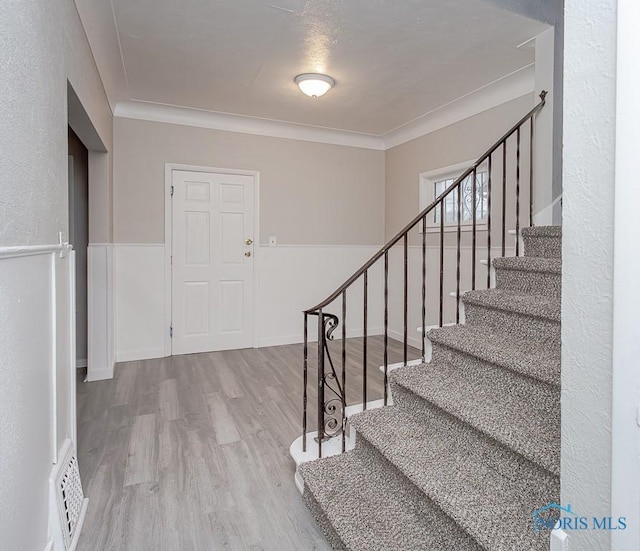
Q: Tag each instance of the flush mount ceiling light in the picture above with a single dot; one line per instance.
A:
(313, 84)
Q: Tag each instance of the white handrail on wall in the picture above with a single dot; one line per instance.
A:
(62, 247)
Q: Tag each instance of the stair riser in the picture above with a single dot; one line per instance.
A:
(517, 325)
(547, 247)
(534, 283)
(323, 522)
(542, 391)
(502, 459)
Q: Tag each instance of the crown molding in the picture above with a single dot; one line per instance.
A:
(185, 116)
(510, 87)
(507, 88)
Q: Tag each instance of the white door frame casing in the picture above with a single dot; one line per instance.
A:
(168, 230)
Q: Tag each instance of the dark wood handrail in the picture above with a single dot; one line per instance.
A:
(404, 231)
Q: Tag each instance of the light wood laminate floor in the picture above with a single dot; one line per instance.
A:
(192, 452)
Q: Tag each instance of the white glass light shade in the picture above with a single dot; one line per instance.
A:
(314, 85)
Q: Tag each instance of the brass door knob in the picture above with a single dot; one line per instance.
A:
(248, 253)
(248, 241)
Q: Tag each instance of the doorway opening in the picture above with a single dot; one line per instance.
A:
(89, 233)
(79, 238)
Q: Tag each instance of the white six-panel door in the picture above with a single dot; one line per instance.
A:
(212, 261)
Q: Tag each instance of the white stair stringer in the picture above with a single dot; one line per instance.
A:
(330, 447)
(519, 238)
(427, 342)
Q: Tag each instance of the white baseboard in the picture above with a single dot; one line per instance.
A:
(279, 341)
(559, 540)
(134, 355)
(412, 341)
(99, 375)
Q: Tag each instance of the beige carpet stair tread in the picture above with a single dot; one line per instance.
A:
(535, 306)
(516, 354)
(370, 508)
(476, 484)
(497, 406)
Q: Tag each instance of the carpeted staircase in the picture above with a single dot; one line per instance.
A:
(471, 446)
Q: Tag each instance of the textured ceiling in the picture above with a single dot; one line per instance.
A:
(393, 60)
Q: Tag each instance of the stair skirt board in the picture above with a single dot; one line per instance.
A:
(471, 437)
(330, 447)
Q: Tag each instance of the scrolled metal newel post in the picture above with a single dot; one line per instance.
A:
(330, 409)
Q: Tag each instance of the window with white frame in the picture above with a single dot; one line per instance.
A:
(434, 183)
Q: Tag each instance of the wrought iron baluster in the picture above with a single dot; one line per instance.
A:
(531, 171)
(441, 312)
(344, 370)
(424, 284)
(459, 192)
(305, 370)
(406, 297)
(504, 196)
(321, 345)
(489, 222)
(364, 343)
(473, 228)
(518, 192)
(386, 324)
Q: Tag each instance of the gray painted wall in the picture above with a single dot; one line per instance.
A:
(461, 142)
(310, 193)
(42, 45)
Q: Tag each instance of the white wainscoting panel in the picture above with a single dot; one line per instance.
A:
(289, 279)
(139, 301)
(65, 358)
(37, 388)
(293, 278)
(100, 311)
